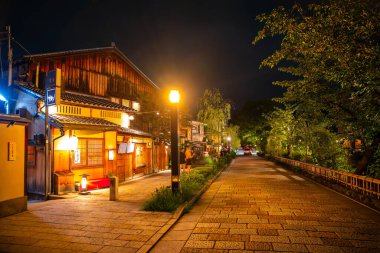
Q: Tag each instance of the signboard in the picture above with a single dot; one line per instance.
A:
(51, 97)
(11, 151)
(53, 87)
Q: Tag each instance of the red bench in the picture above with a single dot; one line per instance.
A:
(98, 183)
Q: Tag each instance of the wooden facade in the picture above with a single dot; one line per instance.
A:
(99, 90)
(101, 72)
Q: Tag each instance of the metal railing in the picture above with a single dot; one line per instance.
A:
(366, 185)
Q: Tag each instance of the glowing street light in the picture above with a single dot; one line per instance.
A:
(174, 100)
(174, 96)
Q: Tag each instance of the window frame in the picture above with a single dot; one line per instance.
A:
(79, 166)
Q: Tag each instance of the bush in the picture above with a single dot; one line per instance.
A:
(163, 200)
(190, 184)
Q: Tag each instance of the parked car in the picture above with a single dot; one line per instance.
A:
(254, 152)
(247, 151)
(239, 152)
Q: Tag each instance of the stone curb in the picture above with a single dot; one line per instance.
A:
(178, 214)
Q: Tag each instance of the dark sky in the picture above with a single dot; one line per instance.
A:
(195, 44)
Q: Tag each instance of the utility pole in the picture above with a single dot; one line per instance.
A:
(10, 55)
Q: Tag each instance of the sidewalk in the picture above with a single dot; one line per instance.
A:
(89, 223)
(255, 206)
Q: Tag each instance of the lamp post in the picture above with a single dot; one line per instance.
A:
(229, 143)
(174, 100)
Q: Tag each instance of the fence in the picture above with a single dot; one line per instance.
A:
(366, 185)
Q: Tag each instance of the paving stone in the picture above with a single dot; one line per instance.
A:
(199, 244)
(181, 235)
(243, 231)
(233, 225)
(193, 237)
(336, 242)
(305, 240)
(211, 230)
(113, 249)
(168, 246)
(264, 231)
(52, 244)
(229, 237)
(323, 234)
(258, 246)
(324, 248)
(208, 225)
(292, 232)
(84, 247)
(262, 238)
(140, 238)
(366, 244)
(289, 247)
(265, 226)
(228, 245)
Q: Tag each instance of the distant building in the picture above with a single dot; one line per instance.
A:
(100, 90)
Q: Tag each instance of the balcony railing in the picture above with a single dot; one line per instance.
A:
(366, 185)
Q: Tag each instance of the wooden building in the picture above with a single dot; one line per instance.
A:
(90, 128)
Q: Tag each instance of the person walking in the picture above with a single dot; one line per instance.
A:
(189, 157)
(182, 160)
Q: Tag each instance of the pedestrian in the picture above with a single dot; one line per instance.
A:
(182, 160)
(189, 158)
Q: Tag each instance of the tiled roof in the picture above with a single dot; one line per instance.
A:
(65, 120)
(133, 132)
(75, 98)
(93, 101)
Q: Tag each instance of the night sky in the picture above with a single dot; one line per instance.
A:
(194, 44)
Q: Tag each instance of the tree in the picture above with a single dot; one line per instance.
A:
(332, 50)
(253, 128)
(214, 111)
(232, 131)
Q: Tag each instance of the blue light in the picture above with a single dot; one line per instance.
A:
(2, 98)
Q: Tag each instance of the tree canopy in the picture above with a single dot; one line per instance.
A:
(332, 51)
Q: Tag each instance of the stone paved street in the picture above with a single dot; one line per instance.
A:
(88, 223)
(256, 206)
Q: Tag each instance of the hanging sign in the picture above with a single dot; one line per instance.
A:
(53, 87)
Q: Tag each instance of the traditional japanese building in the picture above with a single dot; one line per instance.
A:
(90, 126)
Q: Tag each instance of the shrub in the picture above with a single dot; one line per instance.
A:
(163, 200)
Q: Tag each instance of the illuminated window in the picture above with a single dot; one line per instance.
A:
(88, 153)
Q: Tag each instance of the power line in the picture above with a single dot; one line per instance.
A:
(22, 47)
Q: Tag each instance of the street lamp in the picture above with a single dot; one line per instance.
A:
(229, 143)
(174, 100)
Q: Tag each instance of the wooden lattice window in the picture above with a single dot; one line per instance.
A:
(89, 153)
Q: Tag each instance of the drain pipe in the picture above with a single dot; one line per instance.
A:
(52, 157)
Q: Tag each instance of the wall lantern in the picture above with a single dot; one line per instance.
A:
(131, 117)
(83, 185)
(111, 155)
(73, 143)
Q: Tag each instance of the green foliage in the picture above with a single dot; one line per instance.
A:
(253, 128)
(233, 132)
(164, 200)
(214, 111)
(332, 51)
(374, 168)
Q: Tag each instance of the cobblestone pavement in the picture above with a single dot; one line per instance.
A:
(256, 206)
(88, 223)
